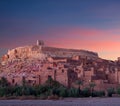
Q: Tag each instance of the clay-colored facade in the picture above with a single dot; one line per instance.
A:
(37, 63)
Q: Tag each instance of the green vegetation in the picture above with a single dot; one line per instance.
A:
(98, 94)
(118, 90)
(3, 82)
(51, 89)
(110, 91)
(79, 83)
(92, 85)
(85, 92)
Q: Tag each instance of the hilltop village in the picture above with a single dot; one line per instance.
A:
(37, 63)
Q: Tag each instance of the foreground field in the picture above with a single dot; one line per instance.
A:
(65, 102)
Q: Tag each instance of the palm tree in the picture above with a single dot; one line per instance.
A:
(3, 82)
(49, 81)
(92, 85)
(23, 81)
(79, 83)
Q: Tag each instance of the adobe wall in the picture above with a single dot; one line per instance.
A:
(15, 80)
(45, 74)
(61, 76)
(25, 52)
(112, 77)
(118, 77)
(88, 74)
(99, 85)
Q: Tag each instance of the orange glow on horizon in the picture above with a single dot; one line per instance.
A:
(104, 42)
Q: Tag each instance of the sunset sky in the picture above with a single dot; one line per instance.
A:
(80, 24)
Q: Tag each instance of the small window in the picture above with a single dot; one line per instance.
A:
(15, 51)
(62, 71)
(29, 81)
(49, 77)
(49, 68)
(55, 71)
(13, 81)
(34, 76)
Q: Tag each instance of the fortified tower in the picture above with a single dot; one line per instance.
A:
(40, 43)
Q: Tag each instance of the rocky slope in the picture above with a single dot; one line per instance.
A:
(41, 52)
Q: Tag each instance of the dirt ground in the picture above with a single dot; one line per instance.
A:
(65, 102)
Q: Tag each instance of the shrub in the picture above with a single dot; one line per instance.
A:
(42, 89)
(55, 91)
(63, 92)
(118, 91)
(4, 82)
(17, 90)
(32, 91)
(98, 93)
(43, 96)
(73, 92)
(52, 84)
(85, 92)
(2, 91)
(110, 91)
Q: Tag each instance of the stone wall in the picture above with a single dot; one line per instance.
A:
(60, 52)
(61, 76)
(40, 51)
(25, 52)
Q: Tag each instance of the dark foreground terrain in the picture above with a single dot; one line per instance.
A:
(65, 102)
